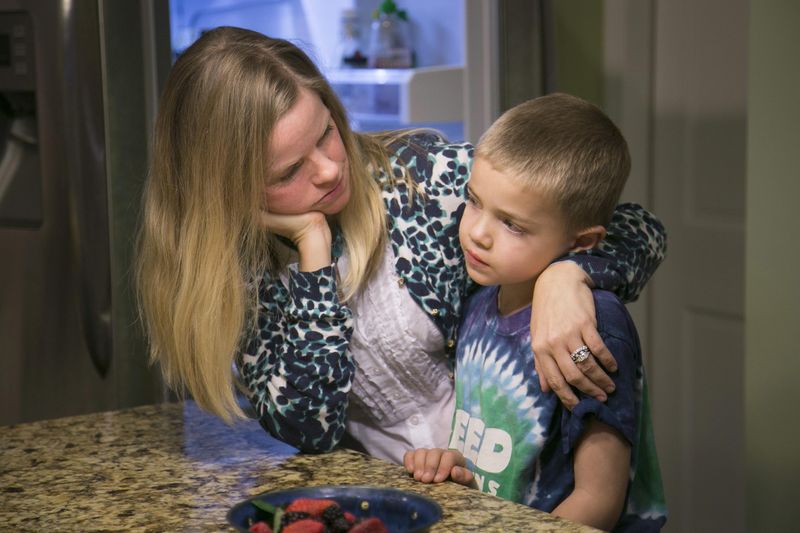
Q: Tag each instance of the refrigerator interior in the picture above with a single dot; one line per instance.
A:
(428, 95)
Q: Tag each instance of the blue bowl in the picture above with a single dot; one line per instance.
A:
(400, 511)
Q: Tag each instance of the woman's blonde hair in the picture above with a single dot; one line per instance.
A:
(202, 251)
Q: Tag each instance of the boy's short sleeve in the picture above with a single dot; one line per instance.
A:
(619, 411)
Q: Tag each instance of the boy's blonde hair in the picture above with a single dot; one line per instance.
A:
(201, 247)
(566, 147)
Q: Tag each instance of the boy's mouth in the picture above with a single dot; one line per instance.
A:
(474, 260)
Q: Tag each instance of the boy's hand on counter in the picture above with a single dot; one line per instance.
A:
(436, 465)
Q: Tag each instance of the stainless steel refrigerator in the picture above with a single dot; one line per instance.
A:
(79, 81)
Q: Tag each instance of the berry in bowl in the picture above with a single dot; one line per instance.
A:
(337, 509)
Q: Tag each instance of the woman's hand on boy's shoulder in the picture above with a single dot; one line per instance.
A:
(434, 465)
(562, 321)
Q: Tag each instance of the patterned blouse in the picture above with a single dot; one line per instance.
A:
(298, 369)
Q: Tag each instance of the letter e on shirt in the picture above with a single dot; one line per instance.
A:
(487, 448)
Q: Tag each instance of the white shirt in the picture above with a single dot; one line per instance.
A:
(402, 396)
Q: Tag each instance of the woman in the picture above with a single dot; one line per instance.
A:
(325, 264)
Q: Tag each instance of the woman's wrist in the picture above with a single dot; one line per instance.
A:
(565, 271)
(314, 249)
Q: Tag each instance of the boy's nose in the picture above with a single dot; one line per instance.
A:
(480, 234)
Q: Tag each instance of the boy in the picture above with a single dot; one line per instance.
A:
(545, 180)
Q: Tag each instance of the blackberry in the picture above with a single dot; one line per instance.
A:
(331, 513)
(340, 525)
(334, 519)
(293, 516)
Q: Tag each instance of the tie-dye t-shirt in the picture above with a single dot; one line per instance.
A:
(519, 441)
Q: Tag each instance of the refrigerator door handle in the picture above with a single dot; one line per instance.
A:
(83, 91)
(96, 324)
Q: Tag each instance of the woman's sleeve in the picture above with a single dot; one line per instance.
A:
(632, 250)
(297, 369)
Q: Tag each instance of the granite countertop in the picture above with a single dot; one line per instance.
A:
(171, 467)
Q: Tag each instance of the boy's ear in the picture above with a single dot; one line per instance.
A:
(588, 238)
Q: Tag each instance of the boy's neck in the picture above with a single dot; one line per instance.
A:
(514, 296)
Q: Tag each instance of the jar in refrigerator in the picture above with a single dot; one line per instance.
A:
(350, 47)
(389, 41)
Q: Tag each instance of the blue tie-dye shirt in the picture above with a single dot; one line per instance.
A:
(519, 441)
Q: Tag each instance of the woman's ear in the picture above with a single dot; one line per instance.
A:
(588, 238)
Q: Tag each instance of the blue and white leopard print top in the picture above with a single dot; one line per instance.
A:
(298, 369)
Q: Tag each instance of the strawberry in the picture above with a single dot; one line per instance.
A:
(313, 506)
(306, 525)
(350, 517)
(260, 527)
(370, 525)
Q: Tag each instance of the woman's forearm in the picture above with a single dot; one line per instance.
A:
(625, 260)
(314, 250)
(298, 370)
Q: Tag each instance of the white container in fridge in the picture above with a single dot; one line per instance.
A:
(403, 96)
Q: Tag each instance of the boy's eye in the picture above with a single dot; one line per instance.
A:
(513, 228)
(471, 199)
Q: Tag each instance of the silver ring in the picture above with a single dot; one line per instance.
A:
(581, 354)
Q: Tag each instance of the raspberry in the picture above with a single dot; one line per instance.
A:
(370, 525)
(306, 525)
(260, 527)
(313, 506)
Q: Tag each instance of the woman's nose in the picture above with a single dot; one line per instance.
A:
(325, 169)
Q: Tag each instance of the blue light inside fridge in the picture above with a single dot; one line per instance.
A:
(425, 97)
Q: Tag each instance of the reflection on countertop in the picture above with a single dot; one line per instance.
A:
(171, 467)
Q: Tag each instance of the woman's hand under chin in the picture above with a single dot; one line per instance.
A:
(563, 320)
(309, 232)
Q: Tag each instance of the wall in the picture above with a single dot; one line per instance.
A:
(676, 79)
(579, 49)
(772, 290)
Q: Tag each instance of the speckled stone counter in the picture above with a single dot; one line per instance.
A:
(172, 467)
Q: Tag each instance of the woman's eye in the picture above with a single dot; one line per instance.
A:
(471, 199)
(326, 133)
(290, 174)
